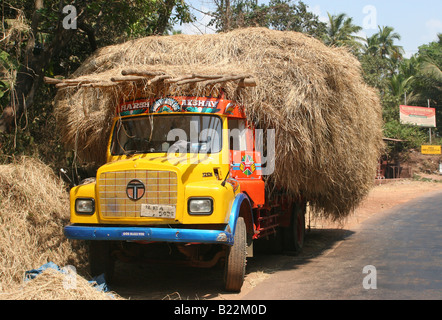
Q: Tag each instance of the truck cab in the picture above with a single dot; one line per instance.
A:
(183, 171)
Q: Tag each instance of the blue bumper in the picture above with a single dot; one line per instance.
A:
(147, 234)
(101, 232)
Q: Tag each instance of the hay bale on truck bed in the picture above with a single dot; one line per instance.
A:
(327, 120)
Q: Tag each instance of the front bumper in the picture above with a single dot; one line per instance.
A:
(148, 234)
(100, 232)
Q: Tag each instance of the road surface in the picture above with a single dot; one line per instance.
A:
(400, 249)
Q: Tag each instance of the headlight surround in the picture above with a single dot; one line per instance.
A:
(200, 206)
(84, 206)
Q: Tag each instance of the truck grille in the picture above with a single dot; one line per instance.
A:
(160, 187)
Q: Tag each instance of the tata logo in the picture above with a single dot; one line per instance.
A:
(135, 190)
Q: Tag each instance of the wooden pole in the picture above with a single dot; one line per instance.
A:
(128, 78)
(157, 78)
(429, 129)
(132, 72)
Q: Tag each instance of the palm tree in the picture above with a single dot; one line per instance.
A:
(399, 86)
(382, 45)
(371, 46)
(429, 76)
(385, 41)
(430, 68)
(342, 32)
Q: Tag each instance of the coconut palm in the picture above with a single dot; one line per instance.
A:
(431, 69)
(399, 86)
(382, 45)
(385, 39)
(342, 32)
(371, 46)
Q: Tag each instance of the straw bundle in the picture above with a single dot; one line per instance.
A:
(54, 285)
(327, 121)
(34, 209)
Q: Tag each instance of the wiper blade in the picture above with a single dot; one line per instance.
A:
(130, 152)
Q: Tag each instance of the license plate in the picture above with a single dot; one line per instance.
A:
(158, 211)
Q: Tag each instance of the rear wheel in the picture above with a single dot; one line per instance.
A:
(235, 267)
(101, 260)
(295, 233)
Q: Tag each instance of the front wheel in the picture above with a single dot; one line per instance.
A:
(235, 267)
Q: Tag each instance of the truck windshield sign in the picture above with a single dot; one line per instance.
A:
(178, 104)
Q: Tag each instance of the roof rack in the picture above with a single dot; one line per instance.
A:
(150, 77)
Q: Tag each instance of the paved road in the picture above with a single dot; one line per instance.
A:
(404, 245)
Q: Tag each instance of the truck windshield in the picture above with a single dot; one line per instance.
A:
(167, 133)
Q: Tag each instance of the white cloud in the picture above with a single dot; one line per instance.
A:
(317, 11)
(433, 27)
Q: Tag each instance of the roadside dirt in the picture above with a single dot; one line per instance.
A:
(174, 282)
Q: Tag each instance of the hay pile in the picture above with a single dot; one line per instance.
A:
(327, 120)
(34, 208)
(54, 285)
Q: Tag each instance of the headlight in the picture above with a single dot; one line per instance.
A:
(85, 206)
(200, 206)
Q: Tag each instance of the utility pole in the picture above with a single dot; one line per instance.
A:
(428, 101)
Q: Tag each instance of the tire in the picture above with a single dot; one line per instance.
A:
(235, 266)
(295, 233)
(100, 259)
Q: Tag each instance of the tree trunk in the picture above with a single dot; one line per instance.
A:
(164, 16)
(30, 75)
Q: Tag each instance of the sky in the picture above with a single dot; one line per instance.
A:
(417, 22)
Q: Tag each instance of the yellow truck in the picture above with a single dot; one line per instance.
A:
(182, 171)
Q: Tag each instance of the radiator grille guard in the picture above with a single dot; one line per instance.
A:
(118, 191)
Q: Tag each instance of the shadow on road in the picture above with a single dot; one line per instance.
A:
(170, 281)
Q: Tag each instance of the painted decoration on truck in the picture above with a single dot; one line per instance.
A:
(200, 105)
(165, 105)
(230, 108)
(133, 107)
(180, 104)
(247, 165)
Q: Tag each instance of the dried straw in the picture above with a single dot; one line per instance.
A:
(34, 209)
(54, 285)
(327, 120)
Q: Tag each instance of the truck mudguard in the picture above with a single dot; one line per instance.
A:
(235, 212)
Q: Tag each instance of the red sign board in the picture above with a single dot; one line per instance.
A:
(418, 116)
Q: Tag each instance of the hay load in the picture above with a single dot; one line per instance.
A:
(327, 120)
